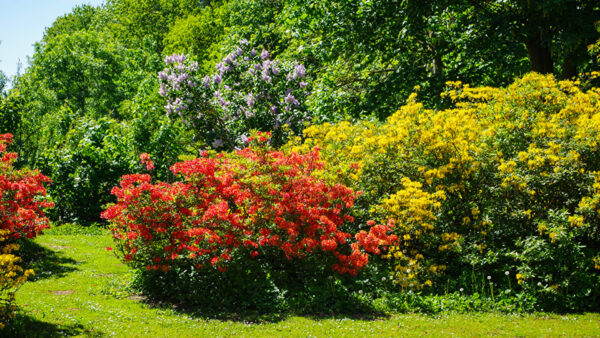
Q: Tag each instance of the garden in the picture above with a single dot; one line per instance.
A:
(270, 168)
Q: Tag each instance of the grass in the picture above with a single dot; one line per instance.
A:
(80, 290)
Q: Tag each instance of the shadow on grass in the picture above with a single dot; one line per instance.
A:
(251, 296)
(45, 262)
(254, 316)
(25, 326)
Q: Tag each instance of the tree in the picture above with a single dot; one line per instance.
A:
(132, 21)
(556, 33)
(81, 68)
(83, 17)
(368, 56)
(198, 35)
(3, 81)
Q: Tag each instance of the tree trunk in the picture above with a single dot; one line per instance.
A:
(438, 65)
(568, 70)
(539, 54)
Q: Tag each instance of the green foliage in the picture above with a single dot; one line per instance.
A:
(503, 184)
(255, 286)
(80, 68)
(198, 35)
(88, 106)
(369, 55)
(81, 18)
(247, 92)
(556, 33)
(133, 21)
(3, 81)
(10, 119)
(84, 167)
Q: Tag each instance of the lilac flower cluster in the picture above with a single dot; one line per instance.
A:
(177, 78)
(247, 91)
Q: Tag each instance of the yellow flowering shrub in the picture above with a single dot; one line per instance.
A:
(413, 212)
(503, 181)
(12, 276)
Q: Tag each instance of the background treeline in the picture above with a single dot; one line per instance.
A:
(88, 104)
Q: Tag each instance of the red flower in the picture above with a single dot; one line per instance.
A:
(250, 198)
(147, 161)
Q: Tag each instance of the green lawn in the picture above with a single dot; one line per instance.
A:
(79, 290)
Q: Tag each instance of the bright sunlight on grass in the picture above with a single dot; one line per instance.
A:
(81, 289)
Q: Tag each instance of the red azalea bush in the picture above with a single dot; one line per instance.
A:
(22, 201)
(244, 201)
(22, 194)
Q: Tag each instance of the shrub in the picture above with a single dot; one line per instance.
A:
(255, 201)
(503, 183)
(12, 276)
(248, 91)
(22, 201)
(94, 154)
(253, 219)
(22, 194)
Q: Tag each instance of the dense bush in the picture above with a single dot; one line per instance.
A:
(252, 200)
(503, 184)
(248, 91)
(22, 194)
(12, 276)
(236, 209)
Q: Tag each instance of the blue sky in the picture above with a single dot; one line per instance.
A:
(22, 23)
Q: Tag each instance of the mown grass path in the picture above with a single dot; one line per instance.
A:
(78, 290)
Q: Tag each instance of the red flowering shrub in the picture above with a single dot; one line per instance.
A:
(21, 214)
(21, 196)
(244, 201)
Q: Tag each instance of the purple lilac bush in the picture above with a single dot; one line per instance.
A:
(248, 91)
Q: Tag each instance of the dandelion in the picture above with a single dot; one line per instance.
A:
(461, 289)
(489, 277)
(506, 273)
